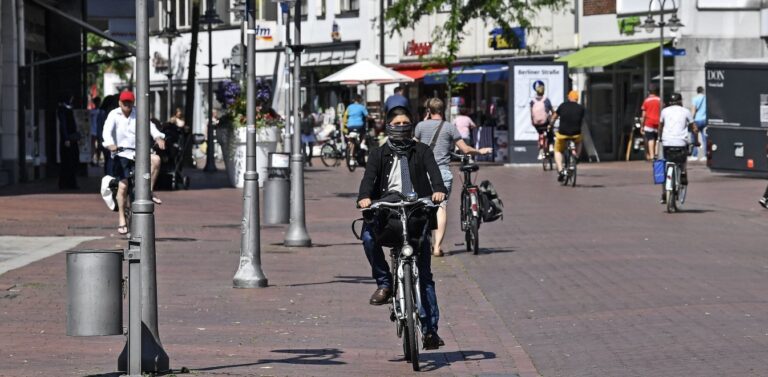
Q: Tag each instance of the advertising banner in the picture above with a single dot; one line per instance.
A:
(524, 76)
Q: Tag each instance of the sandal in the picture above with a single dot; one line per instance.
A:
(439, 253)
(122, 229)
(156, 200)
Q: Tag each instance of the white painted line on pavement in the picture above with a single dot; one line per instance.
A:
(26, 250)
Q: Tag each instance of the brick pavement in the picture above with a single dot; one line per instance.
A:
(313, 320)
(591, 281)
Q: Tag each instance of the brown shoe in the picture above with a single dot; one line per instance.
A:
(381, 296)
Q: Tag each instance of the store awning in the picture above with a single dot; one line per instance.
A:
(418, 74)
(470, 74)
(601, 56)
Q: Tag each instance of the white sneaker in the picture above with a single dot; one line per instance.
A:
(541, 155)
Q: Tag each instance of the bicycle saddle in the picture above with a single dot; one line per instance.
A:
(470, 168)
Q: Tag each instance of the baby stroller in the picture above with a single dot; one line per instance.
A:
(172, 159)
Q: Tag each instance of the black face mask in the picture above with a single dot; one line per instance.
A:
(400, 133)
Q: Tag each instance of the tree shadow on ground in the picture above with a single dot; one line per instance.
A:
(437, 360)
(339, 279)
(321, 356)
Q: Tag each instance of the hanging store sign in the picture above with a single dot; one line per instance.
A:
(263, 33)
(497, 41)
(413, 48)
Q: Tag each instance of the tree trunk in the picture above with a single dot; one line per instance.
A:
(189, 108)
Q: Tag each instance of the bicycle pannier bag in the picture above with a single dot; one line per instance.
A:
(491, 206)
(658, 171)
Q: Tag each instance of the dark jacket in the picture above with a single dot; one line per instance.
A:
(421, 164)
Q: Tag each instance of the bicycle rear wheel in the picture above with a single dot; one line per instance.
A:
(573, 170)
(350, 161)
(411, 316)
(473, 231)
(328, 155)
(671, 198)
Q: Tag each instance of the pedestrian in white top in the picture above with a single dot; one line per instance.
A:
(119, 136)
(675, 125)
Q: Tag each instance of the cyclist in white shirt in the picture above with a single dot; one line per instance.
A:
(120, 138)
(675, 127)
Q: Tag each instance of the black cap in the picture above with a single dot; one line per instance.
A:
(398, 110)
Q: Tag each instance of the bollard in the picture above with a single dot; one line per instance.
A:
(94, 292)
(277, 189)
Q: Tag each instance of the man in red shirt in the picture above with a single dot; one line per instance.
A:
(650, 120)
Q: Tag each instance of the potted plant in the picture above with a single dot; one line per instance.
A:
(233, 130)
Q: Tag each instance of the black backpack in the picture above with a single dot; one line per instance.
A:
(492, 208)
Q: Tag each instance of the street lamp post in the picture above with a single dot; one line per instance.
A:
(249, 273)
(650, 24)
(170, 33)
(297, 232)
(153, 356)
(286, 11)
(210, 17)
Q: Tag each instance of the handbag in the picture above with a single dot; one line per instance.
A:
(658, 171)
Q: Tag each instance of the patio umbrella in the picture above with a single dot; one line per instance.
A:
(367, 72)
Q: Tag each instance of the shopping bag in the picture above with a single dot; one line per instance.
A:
(658, 171)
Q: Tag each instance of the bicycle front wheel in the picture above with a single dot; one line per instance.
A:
(411, 316)
(573, 172)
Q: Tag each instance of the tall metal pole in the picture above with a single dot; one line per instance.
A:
(153, 357)
(287, 128)
(297, 232)
(661, 57)
(249, 273)
(381, 54)
(210, 163)
(169, 100)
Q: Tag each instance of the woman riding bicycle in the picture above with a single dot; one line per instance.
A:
(674, 126)
(404, 166)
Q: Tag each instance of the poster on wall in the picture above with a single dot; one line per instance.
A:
(553, 77)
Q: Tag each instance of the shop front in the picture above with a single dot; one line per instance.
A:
(616, 81)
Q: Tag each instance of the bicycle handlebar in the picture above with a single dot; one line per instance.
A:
(427, 202)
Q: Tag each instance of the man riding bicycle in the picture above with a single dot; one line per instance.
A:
(674, 125)
(403, 166)
(354, 126)
(571, 114)
(119, 137)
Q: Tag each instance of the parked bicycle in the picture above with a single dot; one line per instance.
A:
(570, 163)
(333, 150)
(406, 297)
(470, 204)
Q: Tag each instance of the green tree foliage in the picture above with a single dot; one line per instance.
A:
(506, 14)
(107, 58)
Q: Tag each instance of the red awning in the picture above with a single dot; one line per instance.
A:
(417, 74)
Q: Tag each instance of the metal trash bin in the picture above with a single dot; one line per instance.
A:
(277, 189)
(94, 292)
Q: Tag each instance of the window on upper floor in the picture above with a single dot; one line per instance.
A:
(304, 10)
(597, 7)
(320, 9)
(348, 8)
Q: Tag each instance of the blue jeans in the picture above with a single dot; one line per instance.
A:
(700, 151)
(429, 312)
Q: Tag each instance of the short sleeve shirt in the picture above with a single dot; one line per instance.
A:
(571, 114)
(700, 104)
(445, 142)
(676, 120)
(356, 114)
(651, 106)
